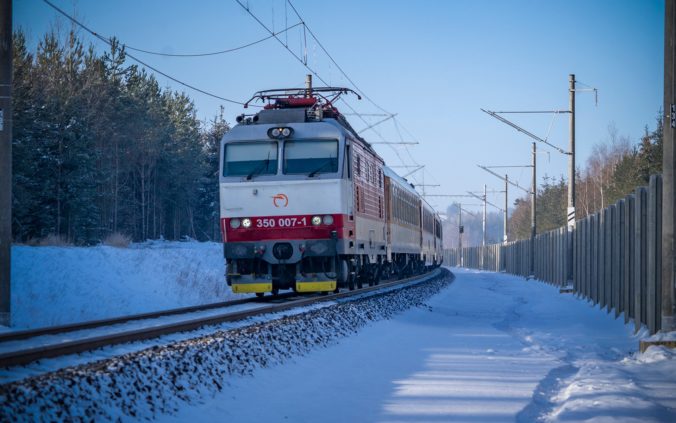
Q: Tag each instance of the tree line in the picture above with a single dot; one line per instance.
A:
(100, 148)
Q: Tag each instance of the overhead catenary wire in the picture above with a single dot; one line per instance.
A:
(303, 61)
(214, 53)
(334, 62)
(154, 69)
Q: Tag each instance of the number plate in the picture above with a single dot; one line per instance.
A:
(281, 222)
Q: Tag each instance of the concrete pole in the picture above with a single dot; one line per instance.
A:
(533, 209)
(460, 231)
(483, 221)
(5, 158)
(571, 184)
(504, 223)
(668, 164)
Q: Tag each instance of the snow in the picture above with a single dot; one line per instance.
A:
(56, 285)
(488, 347)
(161, 379)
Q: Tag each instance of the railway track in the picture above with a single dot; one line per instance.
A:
(23, 347)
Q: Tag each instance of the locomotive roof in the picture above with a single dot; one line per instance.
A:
(302, 105)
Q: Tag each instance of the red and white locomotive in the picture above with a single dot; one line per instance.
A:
(307, 204)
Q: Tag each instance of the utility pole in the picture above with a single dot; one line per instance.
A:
(504, 223)
(668, 164)
(460, 231)
(483, 221)
(506, 191)
(5, 159)
(571, 184)
(533, 220)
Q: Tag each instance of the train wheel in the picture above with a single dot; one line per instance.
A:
(275, 291)
(342, 274)
(260, 294)
(377, 274)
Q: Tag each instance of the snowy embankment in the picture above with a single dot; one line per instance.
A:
(60, 285)
(164, 379)
(487, 348)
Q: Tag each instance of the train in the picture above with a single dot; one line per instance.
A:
(307, 204)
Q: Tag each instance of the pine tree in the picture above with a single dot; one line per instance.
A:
(208, 219)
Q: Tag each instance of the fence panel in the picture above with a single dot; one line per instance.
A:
(616, 257)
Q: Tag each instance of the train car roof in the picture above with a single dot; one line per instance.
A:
(401, 181)
(407, 186)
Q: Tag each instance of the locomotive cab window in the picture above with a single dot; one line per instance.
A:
(250, 159)
(311, 157)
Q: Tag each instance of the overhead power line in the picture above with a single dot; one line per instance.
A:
(154, 69)
(303, 61)
(334, 62)
(128, 47)
(314, 72)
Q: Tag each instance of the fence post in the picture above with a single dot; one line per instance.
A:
(594, 257)
(654, 255)
(629, 253)
(619, 264)
(615, 263)
(607, 250)
(585, 271)
(639, 257)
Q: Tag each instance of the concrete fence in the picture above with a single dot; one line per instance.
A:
(616, 257)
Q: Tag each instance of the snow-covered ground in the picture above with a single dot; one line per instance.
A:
(60, 285)
(487, 348)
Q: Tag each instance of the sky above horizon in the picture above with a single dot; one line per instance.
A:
(433, 63)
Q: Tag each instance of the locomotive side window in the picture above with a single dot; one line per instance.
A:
(250, 159)
(311, 157)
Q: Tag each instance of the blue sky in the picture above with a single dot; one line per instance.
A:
(434, 63)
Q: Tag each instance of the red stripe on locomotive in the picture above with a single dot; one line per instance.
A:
(287, 228)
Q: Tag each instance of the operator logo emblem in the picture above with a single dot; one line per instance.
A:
(280, 200)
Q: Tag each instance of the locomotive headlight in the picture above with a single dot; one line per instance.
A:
(328, 219)
(246, 222)
(316, 220)
(280, 132)
(235, 223)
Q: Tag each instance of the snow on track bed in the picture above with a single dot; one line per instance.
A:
(158, 379)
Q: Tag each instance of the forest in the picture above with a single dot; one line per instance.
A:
(99, 148)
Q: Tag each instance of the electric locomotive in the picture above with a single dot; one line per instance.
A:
(303, 200)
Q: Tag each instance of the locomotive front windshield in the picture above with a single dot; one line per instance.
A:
(310, 157)
(250, 159)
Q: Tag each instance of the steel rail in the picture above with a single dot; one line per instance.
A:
(28, 355)
(73, 327)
